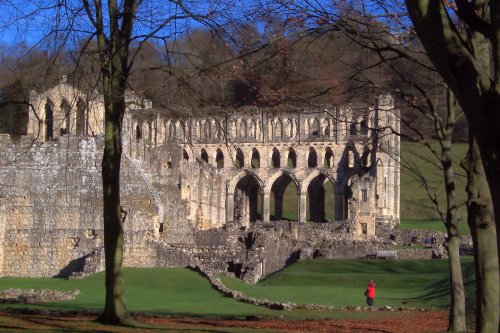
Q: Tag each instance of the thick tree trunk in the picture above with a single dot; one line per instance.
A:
(115, 311)
(472, 70)
(483, 231)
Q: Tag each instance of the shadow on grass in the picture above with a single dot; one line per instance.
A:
(35, 322)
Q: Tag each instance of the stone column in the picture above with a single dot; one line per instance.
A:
(266, 206)
(302, 205)
(230, 208)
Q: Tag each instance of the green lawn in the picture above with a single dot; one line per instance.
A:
(416, 283)
(432, 225)
(164, 291)
(329, 282)
(415, 203)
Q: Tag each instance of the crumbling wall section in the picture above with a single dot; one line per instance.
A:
(51, 206)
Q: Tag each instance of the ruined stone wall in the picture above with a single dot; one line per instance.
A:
(51, 206)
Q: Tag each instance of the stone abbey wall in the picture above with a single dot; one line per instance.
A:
(197, 187)
(237, 164)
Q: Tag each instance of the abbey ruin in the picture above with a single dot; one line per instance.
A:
(245, 190)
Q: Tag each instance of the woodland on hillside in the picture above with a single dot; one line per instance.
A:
(256, 65)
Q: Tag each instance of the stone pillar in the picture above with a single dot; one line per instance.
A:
(302, 205)
(230, 208)
(266, 207)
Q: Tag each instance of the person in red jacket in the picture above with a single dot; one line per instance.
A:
(370, 293)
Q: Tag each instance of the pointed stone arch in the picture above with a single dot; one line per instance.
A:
(321, 198)
(291, 161)
(328, 161)
(65, 108)
(244, 198)
(312, 158)
(278, 129)
(326, 127)
(204, 155)
(49, 120)
(315, 127)
(252, 129)
(255, 158)
(275, 158)
(288, 128)
(239, 161)
(207, 133)
(219, 159)
(276, 187)
(242, 129)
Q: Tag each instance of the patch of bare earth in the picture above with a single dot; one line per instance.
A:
(407, 322)
(410, 322)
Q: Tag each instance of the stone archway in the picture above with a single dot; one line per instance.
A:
(284, 198)
(321, 198)
(244, 199)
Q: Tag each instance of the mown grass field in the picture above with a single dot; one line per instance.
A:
(414, 283)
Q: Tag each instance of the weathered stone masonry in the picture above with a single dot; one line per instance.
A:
(204, 188)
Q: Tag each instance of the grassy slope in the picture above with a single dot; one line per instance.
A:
(415, 203)
(330, 282)
(416, 283)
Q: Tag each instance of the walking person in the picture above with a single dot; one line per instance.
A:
(370, 293)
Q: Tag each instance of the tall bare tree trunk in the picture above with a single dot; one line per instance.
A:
(457, 310)
(114, 51)
(483, 231)
(115, 311)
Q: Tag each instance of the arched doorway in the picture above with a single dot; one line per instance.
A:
(247, 200)
(321, 205)
(283, 205)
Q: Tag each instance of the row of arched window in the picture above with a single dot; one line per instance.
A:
(275, 161)
(250, 129)
(77, 123)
